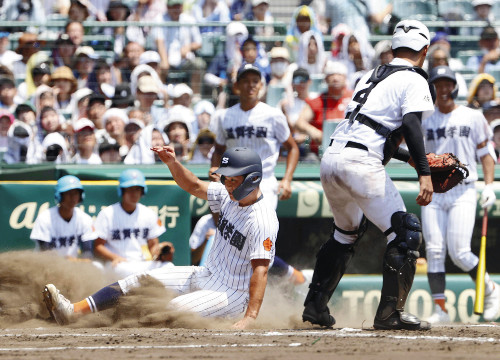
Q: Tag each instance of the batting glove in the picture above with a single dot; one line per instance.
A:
(488, 197)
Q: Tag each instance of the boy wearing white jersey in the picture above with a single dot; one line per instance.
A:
(128, 231)
(448, 221)
(235, 276)
(65, 228)
(388, 104)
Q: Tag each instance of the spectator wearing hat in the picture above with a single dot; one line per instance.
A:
(303, 19)
(178, 136)
(146, 94)
(6, 120)
(85, 58)
(357, 54)
(63, 51)
(28, 44)
(203, 110)
(79, 104)
(383, 53)
(152, 59)
(21, 147)
(122, 99)
(281, 69)
(311, 54)
(65, 84)
(327, 106)
(7, 57)
(44, 96)
(208, 11)
(181, 107)
(85, 139)
(488, 61)
(260, 12)
(38, 70)
(55, 149)
(96, 108)
(8, 94)
(143, 70)
(482, 12)
(482, 92)
(177, 44)
(115, 121)
(117, 11)
(203, 148)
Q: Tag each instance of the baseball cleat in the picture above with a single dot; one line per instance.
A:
(400, 320)
(58, 306)
(492, 304)
(439, 316)
(322, 318)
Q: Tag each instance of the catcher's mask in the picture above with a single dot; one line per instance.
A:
(241, 161)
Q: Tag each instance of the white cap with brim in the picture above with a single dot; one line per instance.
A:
(495, 123)
(335, 67)
(410, 34)
(82, 124)
(204, 106)
(147, 84)
(115, 112)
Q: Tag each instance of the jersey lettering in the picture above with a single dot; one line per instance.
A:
(246, 132)
(451, 132)
(238, 240)
(227, 232)
(125, 234)
(63, 241)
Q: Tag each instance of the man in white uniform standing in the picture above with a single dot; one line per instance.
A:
(388, 104)
(235, 276)
(448, 221)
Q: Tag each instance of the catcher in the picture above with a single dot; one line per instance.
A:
(448, 220)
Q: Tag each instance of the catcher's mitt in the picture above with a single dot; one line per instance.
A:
(446, 171)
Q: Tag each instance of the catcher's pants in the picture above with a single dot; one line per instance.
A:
(447, 223)
(355, 182)
(200, 290)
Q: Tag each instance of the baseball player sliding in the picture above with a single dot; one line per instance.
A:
(448, 221)
(235, 276)
(388, 104)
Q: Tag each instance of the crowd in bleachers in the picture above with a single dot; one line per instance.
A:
(74, 93)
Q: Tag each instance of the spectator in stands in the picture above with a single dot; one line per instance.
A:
(63, 51)
(101, 79)
(79, 104)
(239, 9)
(176, 45)
(254, 53)
(210, 11)
(96, 108)
(495, 127)
(152, 59)
(23, 10)
(383, 53)
(55, 149)
(178, 136)
(117, 11)
(260, 12)
(357, 16)
(6, 120)
(131, 56)
(44, 96)
(328, 106)
(338, 33)
(311, 55)
(281, 69)
(140, 152)
(203, 110)
(109, 153)
(145, 11)
(182, 95)
(49, 122)
(482, 12)
(218, 75)
(7, 57)
(146, 94)
(488, 61)
(86, 143)
(303, 19)
(438, 55)
(85, 58)
(136, 113)
(79, 11)
(115, 121)
(482, 91)
(143, 70)
(65, 85)
(28, 44)
(21, 146)
(122, 99)
(202, 149)
(75, 31)
(26, 113)
(39, 69)
(8, 94)
(357, 54)
(133, 131)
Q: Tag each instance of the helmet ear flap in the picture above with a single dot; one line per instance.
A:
(223, 180)
(249, 184)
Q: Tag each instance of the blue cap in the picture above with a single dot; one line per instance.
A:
(4, 34)
(440, 35)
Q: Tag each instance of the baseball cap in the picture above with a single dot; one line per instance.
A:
(440, 35)
(258, 2)
(147, 84)
(279, 52)
(123, 96)
(6, 113)
(204, 106)
(181, 89)
(300, 75)
(335, 67)
(482, 2)
(236, 27)
(489, 33)
(82, 124)
(495, 123)
(410, 34)
(86, 51)
(149, 56)
(246, 69)
(115, 112)
(4, 34)
(442, 72)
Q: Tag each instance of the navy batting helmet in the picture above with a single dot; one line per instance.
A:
(444, 72)
(129, 178)
(67, 183)
(241, 161)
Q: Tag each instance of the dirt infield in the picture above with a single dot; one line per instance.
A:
(141, 326)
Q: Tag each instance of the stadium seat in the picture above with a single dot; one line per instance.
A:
(274, 94)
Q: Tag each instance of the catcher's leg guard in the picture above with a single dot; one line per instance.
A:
(331, 263)
(398, 273)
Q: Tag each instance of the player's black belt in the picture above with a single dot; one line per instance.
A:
(378, 127)
(353, 144)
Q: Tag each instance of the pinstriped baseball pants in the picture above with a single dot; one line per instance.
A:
(200, 291)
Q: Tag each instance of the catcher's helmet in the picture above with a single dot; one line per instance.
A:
(410, 34)
(241, 161)
(129, 178)
(444, 72)
(67, 183)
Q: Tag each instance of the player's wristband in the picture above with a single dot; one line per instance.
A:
(482, 151)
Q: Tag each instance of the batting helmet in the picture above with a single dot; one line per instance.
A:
(410, 34)
(241, 161)
(129, 178)
(67, 183)
(444, 72)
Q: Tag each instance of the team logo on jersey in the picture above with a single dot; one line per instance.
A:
(159, 222)
(268, 244)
